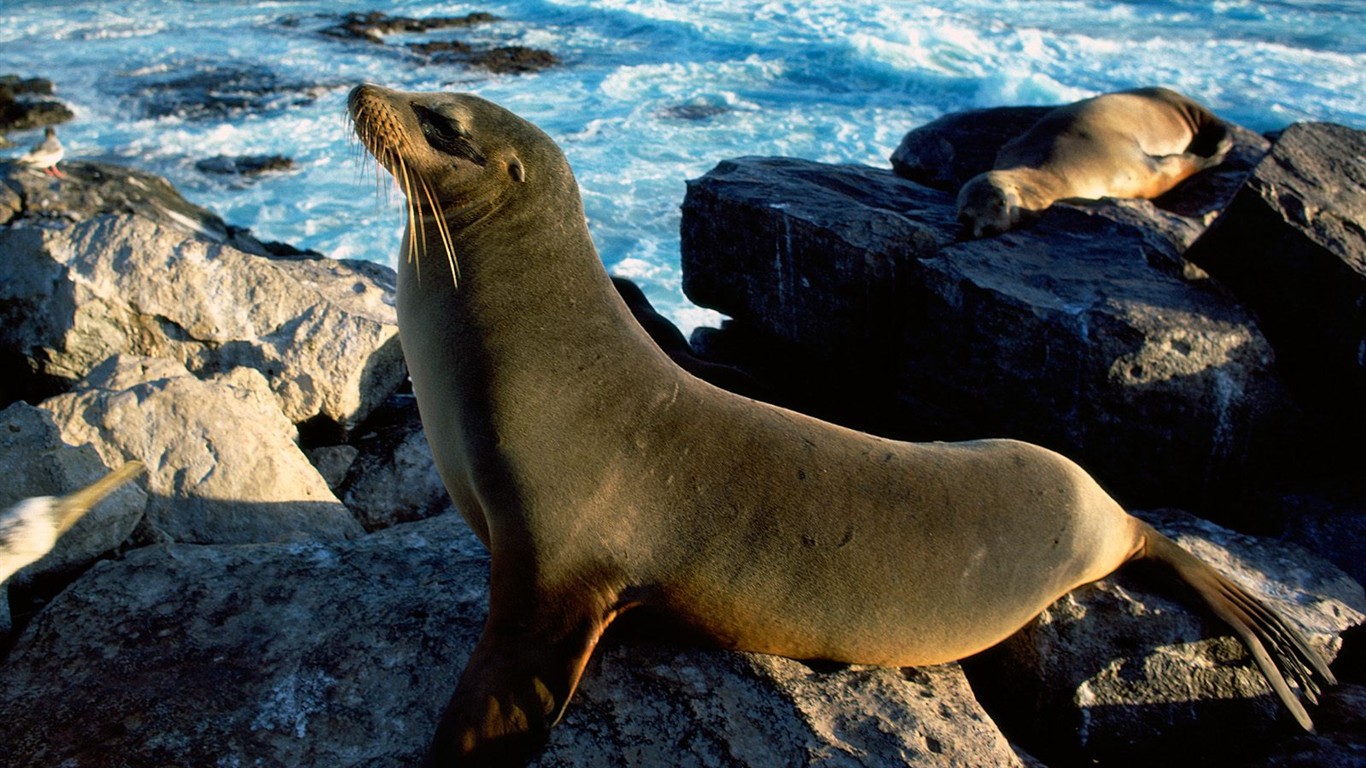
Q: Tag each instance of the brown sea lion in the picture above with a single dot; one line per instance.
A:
(604, 478)
(1137, 143)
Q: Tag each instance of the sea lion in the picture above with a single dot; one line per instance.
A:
(1137, 143)
(604, 479)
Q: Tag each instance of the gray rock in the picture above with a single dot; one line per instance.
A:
(1122, 672)
(322, 331)
(344, 654)
(1292, 246)
(394, 477)
(222, 466)
(1085, 332)
(35, 461)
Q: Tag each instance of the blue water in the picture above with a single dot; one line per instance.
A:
(652, 92)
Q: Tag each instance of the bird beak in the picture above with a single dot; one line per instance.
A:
(72, 507)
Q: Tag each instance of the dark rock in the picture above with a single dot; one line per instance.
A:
(1083, 333)
(244, 165)
(1328, 516)
(215, 90)
(695, 111)
(668, 338)
(511, 59)
(1292, 246)
(310, 654)
(375, 25)
(21, 107)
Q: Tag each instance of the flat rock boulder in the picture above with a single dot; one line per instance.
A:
(322, 331)
(1085, 332)
(1292, 246)
(344, 654)
(222, 466)
(1126, 672)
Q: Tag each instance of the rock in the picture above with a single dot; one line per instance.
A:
(333, 462)
(35, 461)
(374, 26)
(1292, 246)
(503, 59)
(93, 189)
(217, 90)
(21, 105)
(222, 467)
(1084, 333)
(1328, 517)
(244, 165)
(345, 654)
(1340, 741)
(322, 331)
(393, 479)
(1120, 673)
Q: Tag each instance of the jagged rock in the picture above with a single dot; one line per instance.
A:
(393, 479)
(375, 25)
(217, 90)
(345, 653)
(222, 466)
(244, 165)
(92, 189)
(22, 106)
(323, 331)
(1292, 246)
(1083, 332)
(1124, 673)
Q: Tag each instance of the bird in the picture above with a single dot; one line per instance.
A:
(46, 154)
(29, 529)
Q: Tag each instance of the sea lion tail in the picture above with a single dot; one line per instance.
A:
(1279, 649)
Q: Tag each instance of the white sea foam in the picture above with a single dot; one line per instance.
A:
(654, 92)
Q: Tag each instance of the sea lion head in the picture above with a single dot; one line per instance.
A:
(456, 157)
(988, 204)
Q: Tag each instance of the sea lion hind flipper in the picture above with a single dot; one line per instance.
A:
(514, 689)
(1279, 649)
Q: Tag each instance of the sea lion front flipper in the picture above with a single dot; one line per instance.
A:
(514, 688)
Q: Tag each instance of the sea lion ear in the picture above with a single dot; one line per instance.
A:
(516, 170)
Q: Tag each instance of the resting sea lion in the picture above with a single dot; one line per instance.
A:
(604, 478)
(1137, 143)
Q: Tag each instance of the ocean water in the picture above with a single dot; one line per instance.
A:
(648, 94)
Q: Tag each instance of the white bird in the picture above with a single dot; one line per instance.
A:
(29, 529)
(46, 154)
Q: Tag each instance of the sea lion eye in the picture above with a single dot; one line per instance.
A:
(447, 136)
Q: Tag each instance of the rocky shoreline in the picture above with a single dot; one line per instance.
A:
(285, 585)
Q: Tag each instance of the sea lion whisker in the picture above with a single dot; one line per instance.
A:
(443, 230)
